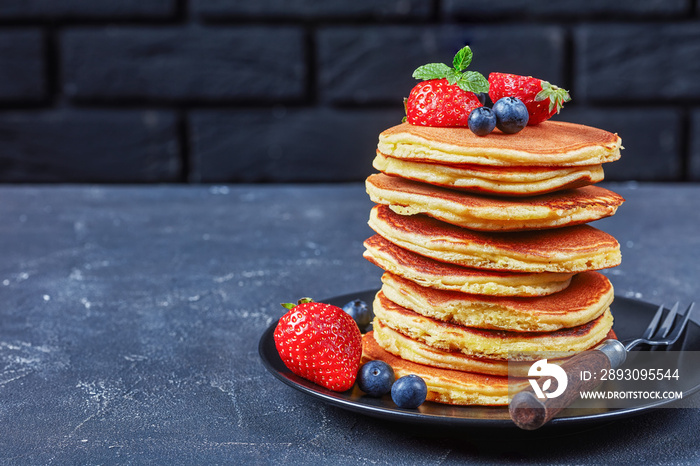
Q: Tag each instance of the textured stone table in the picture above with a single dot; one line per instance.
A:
(130, 321)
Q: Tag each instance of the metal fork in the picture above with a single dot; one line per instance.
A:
(529, 413)
(655, 335)
(658, 336)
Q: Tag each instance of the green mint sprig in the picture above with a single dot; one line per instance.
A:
(469, 81)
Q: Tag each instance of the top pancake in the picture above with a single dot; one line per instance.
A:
(551, 143)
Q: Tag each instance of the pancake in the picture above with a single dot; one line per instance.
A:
(571, 249)
(489, 213)
(505, 181)
(413, 350)
(444, 276)
(551, 143)
(588, 296)
(493, 344)
(445, 385)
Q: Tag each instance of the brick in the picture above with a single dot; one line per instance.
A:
(21, 65)
(88, 146)
(468, 9)
(286, 145)
(21, 9)
(374, 64)
(694, 162)
(357, 9)
(637, 62)
(184, 64)
(652, 146)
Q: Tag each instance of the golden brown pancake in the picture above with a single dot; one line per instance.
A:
(494, 344)
(477, 212)
(551, 143)
(410, 349)
(571, 249)
(484, 179)
(413, 350)
(444, 276)
(446, 385)
(589, 295)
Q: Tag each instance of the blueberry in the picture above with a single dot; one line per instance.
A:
(483, 97)
(358, 310)
(409, 391)
(482, 121)
(375, 378)
(511, 114)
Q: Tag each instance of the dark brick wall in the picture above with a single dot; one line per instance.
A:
(220, 91)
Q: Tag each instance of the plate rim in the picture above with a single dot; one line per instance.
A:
(398, 414)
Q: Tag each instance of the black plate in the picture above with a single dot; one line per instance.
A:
(631, 318)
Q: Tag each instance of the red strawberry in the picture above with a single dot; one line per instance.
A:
(437, 103)
(447, 95)
(320, 343)
(541, 98)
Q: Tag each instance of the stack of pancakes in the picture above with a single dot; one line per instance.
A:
(486, 252)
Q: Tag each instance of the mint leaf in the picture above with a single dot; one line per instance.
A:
(431, 71)
(472, 81)
(462, 58)
(469, 81)
(453, 76)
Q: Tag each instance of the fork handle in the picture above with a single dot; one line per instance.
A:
(530, 412)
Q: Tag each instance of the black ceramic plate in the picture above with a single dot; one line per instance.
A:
(631, 318)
